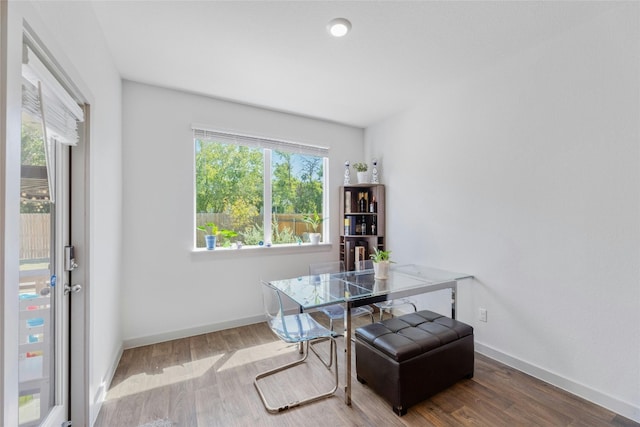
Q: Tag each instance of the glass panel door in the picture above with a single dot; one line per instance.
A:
(41, 332)
(37, 261)
(49, 120)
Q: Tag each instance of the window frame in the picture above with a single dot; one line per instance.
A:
(202, 132)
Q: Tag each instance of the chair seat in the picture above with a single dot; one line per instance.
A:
(298, 327)
(337, 311)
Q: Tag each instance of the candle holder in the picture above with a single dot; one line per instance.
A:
(374, 173)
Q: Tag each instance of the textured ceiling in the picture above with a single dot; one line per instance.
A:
(278, 55)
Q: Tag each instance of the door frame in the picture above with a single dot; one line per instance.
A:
(79, 313)
(9, 220)
(16, 18)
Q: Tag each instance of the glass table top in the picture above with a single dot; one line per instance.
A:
(325, 289)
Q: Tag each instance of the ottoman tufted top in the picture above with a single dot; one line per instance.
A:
(404, 337)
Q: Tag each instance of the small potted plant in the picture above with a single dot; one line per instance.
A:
(361, 169)
(227, 235)
(212, 232)
(314, 220)
(381, 261)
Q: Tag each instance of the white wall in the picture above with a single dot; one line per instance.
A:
(77, 29)
(527, 176)
(168, 289)
(71, 32)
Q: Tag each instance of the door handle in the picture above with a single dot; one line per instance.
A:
(72, 289)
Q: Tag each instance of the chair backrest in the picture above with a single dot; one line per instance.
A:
(272, 303)
(292, 328)
(364, 265)
(326, 267)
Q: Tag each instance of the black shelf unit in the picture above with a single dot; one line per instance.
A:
(362, 211)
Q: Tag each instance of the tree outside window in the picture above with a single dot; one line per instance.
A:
(230, 191)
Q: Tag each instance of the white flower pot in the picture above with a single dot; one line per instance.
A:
(314, 238)
(381, 269)
(363, 177)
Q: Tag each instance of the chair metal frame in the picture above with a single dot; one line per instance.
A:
(390, 304)
(308, 331)
(337, 311)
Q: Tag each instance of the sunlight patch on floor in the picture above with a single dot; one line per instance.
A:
(162, 376)
(145, 381)
(255, 353)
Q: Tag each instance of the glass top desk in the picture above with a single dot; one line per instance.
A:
(357, 288)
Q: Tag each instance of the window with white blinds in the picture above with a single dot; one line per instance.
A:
(45, 98)
(200, 131)
(258, 191)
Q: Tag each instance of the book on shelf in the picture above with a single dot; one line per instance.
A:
(360, 253)
(347, 202)
(349, 254)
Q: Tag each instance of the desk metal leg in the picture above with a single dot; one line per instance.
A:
(454, 303)
(301, 345)
(347, 344)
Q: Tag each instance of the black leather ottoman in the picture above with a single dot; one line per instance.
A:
(409, 358)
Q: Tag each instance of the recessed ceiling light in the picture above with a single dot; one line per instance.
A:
(338, 27)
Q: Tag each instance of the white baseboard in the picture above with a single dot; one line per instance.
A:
(189, 332)
(101, 393)
(611, 403)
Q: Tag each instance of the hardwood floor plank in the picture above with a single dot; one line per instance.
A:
(155, 405)
(472, 416)
(433, 415)
(207, 381)
(125, 412)
(483, 408)
(182, 409)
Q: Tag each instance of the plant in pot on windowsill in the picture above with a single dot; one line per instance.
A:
(381, 261)
(227, 235)
(314, 220)
(361, 169)
(212, 232)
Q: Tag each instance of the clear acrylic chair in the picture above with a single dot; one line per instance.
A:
(337, 311)
(390, 304)
(295, 328)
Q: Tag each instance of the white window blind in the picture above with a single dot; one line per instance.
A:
(43, 95)
(201, 132)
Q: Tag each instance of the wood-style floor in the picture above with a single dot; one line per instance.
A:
(207, 380)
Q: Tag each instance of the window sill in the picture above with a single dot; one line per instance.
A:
(263, 250)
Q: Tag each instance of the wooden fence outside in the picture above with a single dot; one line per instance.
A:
(223, 221)
(35, 230)
(35, 236)
(292, 222)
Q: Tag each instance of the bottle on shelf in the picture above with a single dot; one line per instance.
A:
(362, 203)
(363, 227)
(373, 205)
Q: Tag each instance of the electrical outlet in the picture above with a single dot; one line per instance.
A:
(482, 314)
